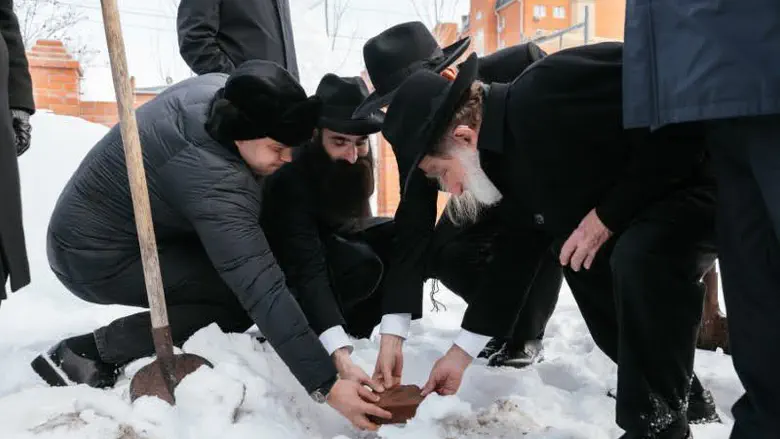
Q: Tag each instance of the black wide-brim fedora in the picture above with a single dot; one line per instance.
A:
(396, 53)
(355, 127)
(421, 111)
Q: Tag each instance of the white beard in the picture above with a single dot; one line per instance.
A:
(479, 192)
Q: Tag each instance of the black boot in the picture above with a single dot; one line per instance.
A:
(65, 365)
(678, 430)
(701, 404)
(518, 357)
(493, 346)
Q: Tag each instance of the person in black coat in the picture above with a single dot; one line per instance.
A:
(16, 106)
(629, 214)
(452, 254)
(681, 69)
(207, 144)
(317, 215)
(219, 35)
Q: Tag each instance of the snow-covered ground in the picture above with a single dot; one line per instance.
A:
(250, 394)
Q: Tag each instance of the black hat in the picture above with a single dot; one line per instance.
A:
(340, 97)
(261, 99)
(421, 110)
(398, 52)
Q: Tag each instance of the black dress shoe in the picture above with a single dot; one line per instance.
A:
(493, 346)
(62, 367)
(518, 357)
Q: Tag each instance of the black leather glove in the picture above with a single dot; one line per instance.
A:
(22, 128)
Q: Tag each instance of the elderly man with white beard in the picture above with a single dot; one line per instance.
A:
(629, 214)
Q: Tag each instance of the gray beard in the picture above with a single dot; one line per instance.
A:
(479, 192)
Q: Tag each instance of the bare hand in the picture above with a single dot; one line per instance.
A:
(355, 402)
(447, 372)
(583, 244)
(390, 361)
(348, 370)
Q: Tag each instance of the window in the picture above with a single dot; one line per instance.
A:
(559, 12)
(540, 11)
(479, 15)
(480, 43)
(501, 23)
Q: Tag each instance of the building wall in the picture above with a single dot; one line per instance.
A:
(56, 80)
(611, 19)
(546, 20)
(511, 18)
(483, 26)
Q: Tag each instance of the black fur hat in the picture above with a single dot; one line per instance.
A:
(261, 99)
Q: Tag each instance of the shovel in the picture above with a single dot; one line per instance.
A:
(160, 377)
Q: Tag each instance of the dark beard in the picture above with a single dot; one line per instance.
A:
(343, 188)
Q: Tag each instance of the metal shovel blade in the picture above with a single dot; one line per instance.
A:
(160, 377)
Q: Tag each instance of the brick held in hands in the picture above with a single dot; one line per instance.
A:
(401, 402)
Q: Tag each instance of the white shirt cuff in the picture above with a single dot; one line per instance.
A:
(335, 338)
(396, 324)
(471, 343)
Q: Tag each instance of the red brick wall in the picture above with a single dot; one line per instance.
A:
(105, 113)
(55, 78)
(56, 85)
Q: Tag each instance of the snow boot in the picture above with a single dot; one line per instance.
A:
(518, 357)
(63, 366)
(678, 430)
(494, 345)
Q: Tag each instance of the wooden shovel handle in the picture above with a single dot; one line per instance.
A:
(135, 165)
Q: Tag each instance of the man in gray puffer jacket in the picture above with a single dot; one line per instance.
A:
(207, 143)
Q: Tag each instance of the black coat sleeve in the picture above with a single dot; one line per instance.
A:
(198, 24)
(289, 217)
(505, 65)
(223, 206)
(660, 160)
(517, 253)
(20, 90)
(415, 220)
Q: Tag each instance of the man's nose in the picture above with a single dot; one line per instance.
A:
(352, 154)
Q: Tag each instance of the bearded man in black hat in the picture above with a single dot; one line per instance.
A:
(207, 143)
(629, 214)
(317, 215)
(454, 254)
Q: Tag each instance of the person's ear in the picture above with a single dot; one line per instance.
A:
(466, 135)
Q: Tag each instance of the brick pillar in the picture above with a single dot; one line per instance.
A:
(56, 78)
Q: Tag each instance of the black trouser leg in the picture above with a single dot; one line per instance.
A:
(460, 257)
(356, 263)
(540, 303)
(195, 295)
(747, 157)
(653, 285)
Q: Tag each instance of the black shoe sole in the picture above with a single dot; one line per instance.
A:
(50, 373)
